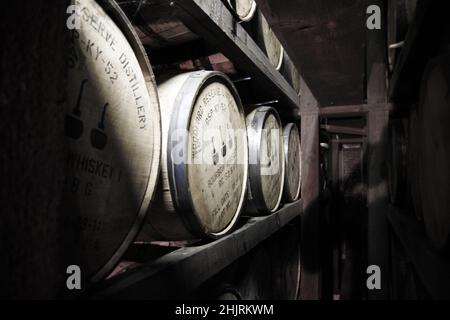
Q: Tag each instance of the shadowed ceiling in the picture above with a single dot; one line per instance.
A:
(326, 41)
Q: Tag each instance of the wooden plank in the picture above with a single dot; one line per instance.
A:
(310, 287)
(349, 141)
(377, 121)
(426, 36)
(325, 39)
(213, 21)
(376, 64)
(431, 267)
(377, 198)
(33, 238)
(352, 110)
(177, 274)
(344, 130)
(308, 102)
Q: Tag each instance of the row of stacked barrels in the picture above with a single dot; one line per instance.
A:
(419, 171)
(172, 159)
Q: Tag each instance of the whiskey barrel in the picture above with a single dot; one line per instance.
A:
(292, 158)
(112, 130)
(397, 164)
(204, 173)
(434, 115)
(266, 39)
(290, 73)
(244, 9)
(266, 161)
(157, 25)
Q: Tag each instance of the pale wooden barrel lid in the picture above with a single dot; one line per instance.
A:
(208, 185)
(292, 156)
(113, 136)
(245, 9)
(266, 160)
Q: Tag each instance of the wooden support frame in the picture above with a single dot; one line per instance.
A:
(344, 130)
(353, 110)
(171, 275)
(430, 266)
(213, 21)
(311, 273)
(425, 37)
(377, 121)
(310, 287)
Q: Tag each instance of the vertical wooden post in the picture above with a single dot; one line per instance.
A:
(377, 194)
(310, 286)
(33, 82)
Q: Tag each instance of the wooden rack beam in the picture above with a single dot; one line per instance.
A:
(344, 130)
(177, 274)
(352, 110)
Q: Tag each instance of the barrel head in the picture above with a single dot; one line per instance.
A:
(113, 138)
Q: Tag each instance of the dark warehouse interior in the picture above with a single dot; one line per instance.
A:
(215, 150)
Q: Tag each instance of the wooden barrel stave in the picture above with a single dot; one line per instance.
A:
(157, 24)
(266, 162)
(214, 62)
